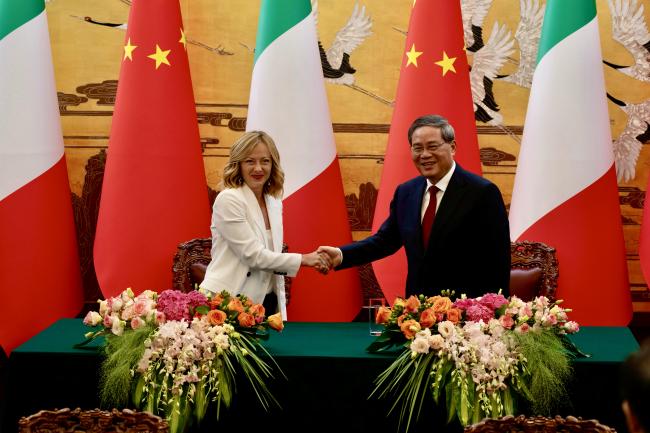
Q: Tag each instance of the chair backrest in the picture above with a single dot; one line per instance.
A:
(523, 424)
(92, 421)
(533, 270)
(191, 261)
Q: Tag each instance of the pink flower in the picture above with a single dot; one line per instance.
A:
(571, 327)
(196, 299)
(523, 328)
(464, 304)
(506, 321)
(137, 323)
(93, 318)
(479, 312)
(493, 301)
(174, 304)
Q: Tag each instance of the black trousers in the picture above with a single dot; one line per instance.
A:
(270, 304)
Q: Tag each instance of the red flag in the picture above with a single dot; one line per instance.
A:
(434, 79)
(40, 280)
(154, 194)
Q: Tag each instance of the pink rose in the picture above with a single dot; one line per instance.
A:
(137, 322)
(506, 321)
(523, 328)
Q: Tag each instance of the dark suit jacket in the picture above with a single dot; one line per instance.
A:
(469, 246)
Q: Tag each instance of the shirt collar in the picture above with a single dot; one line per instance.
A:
(444, 181)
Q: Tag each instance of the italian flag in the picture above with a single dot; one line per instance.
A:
(288, 101)
(40, 280)
(565, 191)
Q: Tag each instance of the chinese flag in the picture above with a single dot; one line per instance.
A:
(154, 194)
(434, 79)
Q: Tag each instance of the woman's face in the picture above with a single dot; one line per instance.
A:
(256, 167)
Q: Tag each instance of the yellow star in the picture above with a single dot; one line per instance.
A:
(128, 50)
(160, 56)
(183, 40)
(413, 56)
(447, 64)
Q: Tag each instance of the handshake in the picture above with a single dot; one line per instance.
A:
(323, 259)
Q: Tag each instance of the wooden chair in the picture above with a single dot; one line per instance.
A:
(533, 270)
(191, 261)
(92, 421)
(523, 424)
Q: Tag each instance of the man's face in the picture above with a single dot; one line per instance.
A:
(431, 155)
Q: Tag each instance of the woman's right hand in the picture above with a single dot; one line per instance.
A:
(320, 262)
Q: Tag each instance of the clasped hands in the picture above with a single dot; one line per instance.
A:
(323, 259)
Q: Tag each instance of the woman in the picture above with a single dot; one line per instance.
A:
(247, 227)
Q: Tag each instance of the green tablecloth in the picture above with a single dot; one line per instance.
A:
(329, 378)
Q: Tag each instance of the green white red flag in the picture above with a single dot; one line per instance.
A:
(565, 192)
(40, 280)
(288, 101)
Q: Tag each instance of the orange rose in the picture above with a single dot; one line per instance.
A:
(427, 318)
(246, 320)
(248, 302)
(400, 319)
(383, 314)
(257, 310)
(216, 301)
(432, 300)
(412, 304)
(235, 305)
(409, 328)
(442, 304)
(399, 302)
(216, 317)
(453, 315)
(275, 321)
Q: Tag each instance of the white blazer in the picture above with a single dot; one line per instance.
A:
(242, 262)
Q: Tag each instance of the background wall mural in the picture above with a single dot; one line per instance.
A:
(362, 47)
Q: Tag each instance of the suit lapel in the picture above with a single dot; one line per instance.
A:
(415, 218)
(274, 208)
(256, 212)
(450, 202)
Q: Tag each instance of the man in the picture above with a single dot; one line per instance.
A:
(635, 389)
(452, 223)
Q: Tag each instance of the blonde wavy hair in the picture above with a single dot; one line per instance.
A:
(240, 150)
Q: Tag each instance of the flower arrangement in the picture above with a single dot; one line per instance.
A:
(174, 354)
(483, 355)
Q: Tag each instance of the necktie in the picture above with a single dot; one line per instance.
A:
(429, 215)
